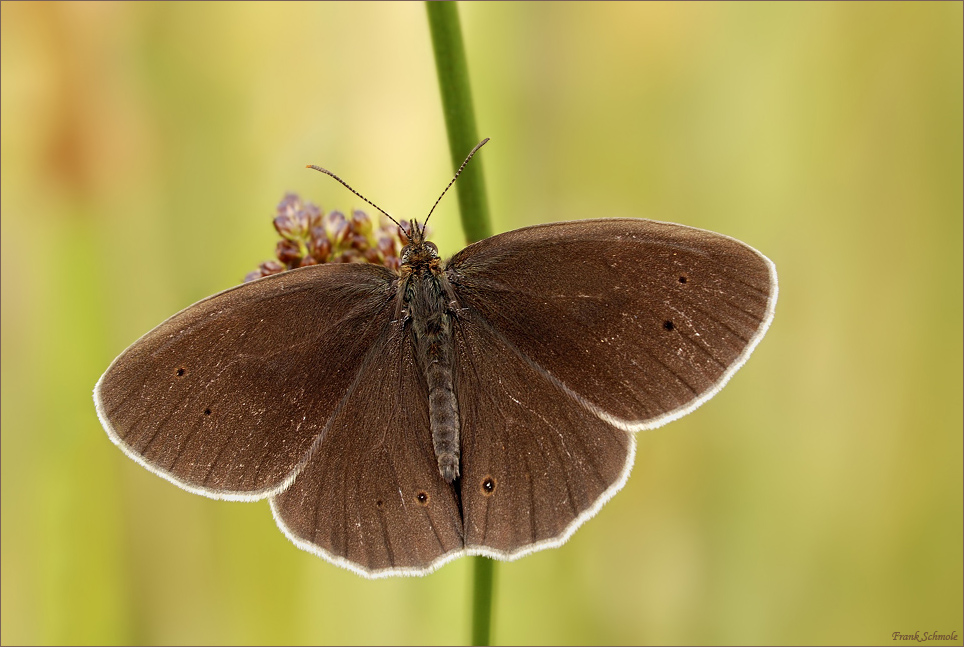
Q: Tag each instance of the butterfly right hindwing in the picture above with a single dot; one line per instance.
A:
(535, 462)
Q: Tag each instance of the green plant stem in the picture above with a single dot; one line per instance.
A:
(453, 79)
(484, 574)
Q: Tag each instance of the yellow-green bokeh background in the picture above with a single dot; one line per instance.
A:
(818, 499)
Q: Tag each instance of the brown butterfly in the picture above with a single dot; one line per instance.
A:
(482, 405)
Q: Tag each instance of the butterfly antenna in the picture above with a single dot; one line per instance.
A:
(474, 150)
(346, 185)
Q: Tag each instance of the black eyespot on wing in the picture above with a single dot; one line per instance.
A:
(180, 372)
(683, 278)
(422, 498)
(488, 486)
(668, 325)
(207, 412)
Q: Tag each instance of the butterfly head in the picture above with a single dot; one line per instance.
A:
(418, 253)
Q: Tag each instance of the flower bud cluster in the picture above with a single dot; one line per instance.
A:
(310, 237)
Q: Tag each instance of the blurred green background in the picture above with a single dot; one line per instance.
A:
(818, 499)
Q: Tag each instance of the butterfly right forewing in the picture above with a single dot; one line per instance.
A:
(640, 320)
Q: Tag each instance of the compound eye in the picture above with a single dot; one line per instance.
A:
(432, 248)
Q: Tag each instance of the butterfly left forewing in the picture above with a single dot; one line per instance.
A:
(226, 397)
